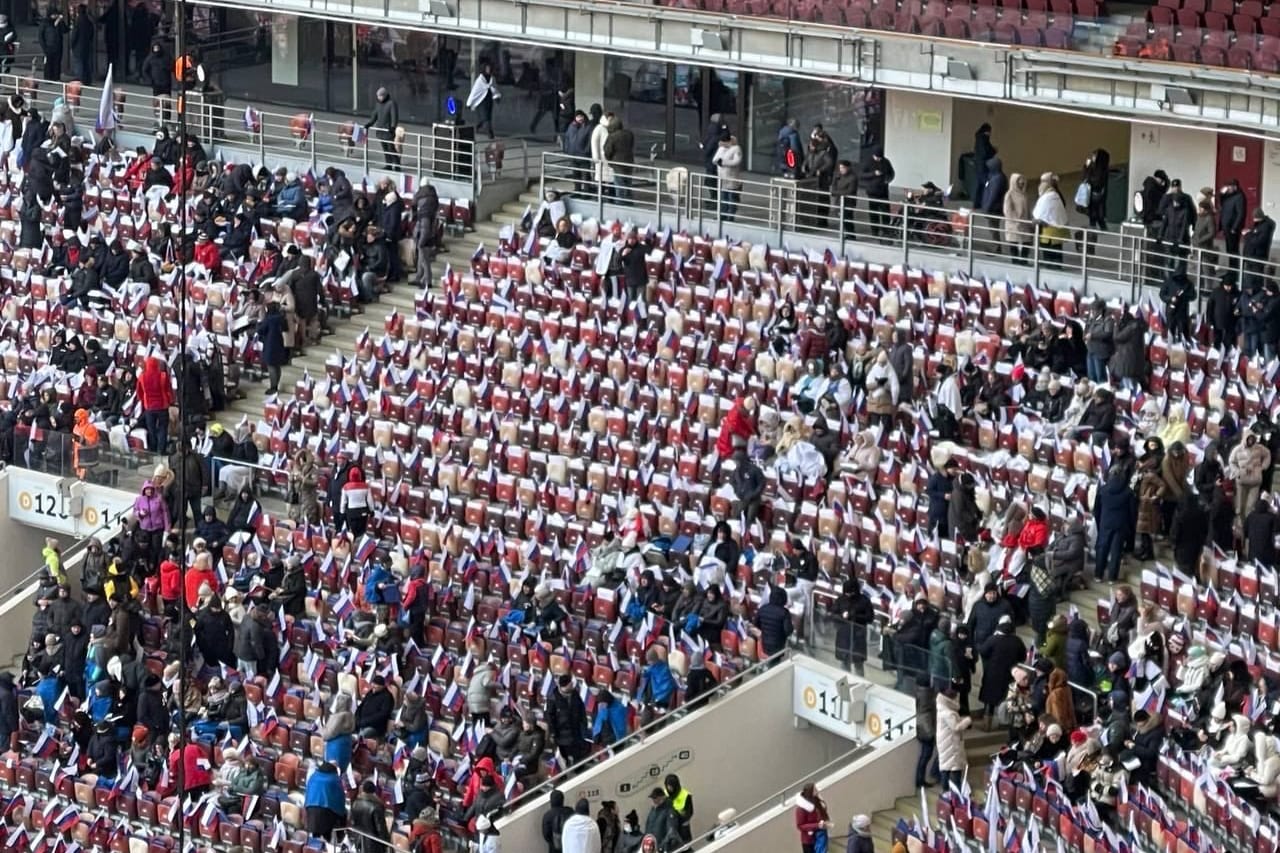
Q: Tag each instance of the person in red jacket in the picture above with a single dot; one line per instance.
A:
(170, 586)
(197, 769)
(738, 426)
(200, 574)
(137, 171)
(812, 817)
(207, 254)
(156, 395)
(813, 342)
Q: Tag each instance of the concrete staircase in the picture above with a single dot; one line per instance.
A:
(459, 250)
(979, 746)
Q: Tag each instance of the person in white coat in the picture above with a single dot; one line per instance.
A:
(728, 163)
(581, 833)
(600, 167)
(484, 94)
(952, 760)
(480, 691)
(487, 838)
(1237, 746)
(1266, 764)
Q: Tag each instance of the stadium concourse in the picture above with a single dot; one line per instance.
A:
(571, 481)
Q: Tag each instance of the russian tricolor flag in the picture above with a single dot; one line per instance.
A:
(368, 545)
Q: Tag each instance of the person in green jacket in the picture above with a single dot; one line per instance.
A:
(1054, 646)
(940, 655)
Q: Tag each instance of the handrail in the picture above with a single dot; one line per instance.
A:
(300, 135)
(258, 465)
(349, 831)
(780, 798)
(690, 200)
(64, 557)
(1071, 684)
(639, 734)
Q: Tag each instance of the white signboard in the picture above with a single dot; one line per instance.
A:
(848, 705)
(50, 503)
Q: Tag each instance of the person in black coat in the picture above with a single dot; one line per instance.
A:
(1190, 532)
(1224, 311)
(939, 488)
(553, 821)
(1178, 293)
(8, 709)
(855, 612)
(53, 31)
(152, 708)
(634, 271)
(1257, 247)
(566, 718)
(215, 634)
(102, 754)
(911, 640)
(1001, 652)
(983, 151)
(1116, 515)
(1145, 744)
(1231, 217)
(877, 176)
(375, 709)
(1260, 533)
(83, 44)
(274, 353)
(987, 614)
(773, 624)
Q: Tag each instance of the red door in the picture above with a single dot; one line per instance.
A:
(1240, 157)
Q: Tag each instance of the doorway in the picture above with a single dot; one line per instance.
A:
(1240, 157)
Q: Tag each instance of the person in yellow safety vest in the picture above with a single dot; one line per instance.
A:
(682, 805)
(86, 445)
(52, 555)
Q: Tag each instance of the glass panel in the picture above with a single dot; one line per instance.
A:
(853, 117)
(636, 89)
(405, 62)
(261, 59)
(528, 78)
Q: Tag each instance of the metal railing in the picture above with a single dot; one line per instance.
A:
(779, 799)
(65, 557)
(638, 736)
(923, 233)
(1075, 689)
(443, 153)
(903, 659)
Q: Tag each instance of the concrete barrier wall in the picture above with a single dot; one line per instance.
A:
(870, 783)
(735, 752)
(22, 545)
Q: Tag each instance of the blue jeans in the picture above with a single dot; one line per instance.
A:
(1110, 546)
(729, 203)
(1252, 343)
(1096, 367)
(157, 427)
(923, 761)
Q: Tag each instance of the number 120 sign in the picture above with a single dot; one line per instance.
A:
(35, 499)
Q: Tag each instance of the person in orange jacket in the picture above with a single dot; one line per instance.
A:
(86, 446)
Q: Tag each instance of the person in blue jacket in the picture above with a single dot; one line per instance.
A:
(660, 685)
(337, 732)
(939, 490)
(325, 802)
(380, 586)
(610, 725)
(1113, 509)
